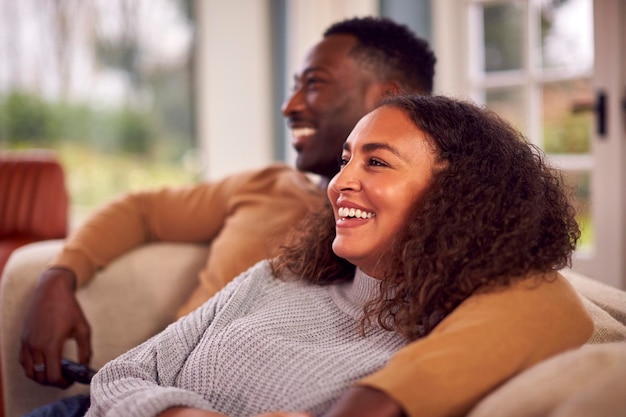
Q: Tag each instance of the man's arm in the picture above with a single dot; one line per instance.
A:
(488, 339)
(364, 401)
(185, 214)
(194, 412)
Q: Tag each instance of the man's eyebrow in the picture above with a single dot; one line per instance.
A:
(309, 70)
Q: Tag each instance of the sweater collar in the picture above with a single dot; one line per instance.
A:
(352, 296)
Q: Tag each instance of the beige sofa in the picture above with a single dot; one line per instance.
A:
(136, 296)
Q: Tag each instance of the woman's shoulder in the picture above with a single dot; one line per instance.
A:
(262, 274)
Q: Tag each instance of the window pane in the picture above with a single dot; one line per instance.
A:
(509, 103)
(503, 36)
(107, 84)
(565, 130)
(567, 34)
(580, 181)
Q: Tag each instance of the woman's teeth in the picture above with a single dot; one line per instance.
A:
(351, 212)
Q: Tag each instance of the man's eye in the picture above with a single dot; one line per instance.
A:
(313, 82)
(343, 162)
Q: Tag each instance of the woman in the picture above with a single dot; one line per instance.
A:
(437, 202)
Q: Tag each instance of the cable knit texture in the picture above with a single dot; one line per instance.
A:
(259, 345)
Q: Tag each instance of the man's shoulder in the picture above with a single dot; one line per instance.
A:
(278, 169)
(274, 170)
(279, 177)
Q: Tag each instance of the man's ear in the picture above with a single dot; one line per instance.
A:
(392, 88)
(381, 90)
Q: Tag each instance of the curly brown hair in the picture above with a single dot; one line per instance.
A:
(495, 214)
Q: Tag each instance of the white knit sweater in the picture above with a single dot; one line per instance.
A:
(259, 345)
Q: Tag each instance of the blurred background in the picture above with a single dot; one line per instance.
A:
(133, 94)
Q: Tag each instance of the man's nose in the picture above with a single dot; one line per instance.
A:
(294, 103)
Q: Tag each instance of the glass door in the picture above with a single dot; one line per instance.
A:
(534, 62)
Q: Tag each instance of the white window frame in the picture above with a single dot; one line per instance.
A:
(457, 76)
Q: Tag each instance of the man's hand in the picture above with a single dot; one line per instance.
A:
(362, 401)
(194, 412)
(53, 316)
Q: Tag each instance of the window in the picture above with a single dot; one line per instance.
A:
(108, 84)
(532, 64)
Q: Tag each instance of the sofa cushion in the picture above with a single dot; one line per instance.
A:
(606, 328)
(584, 382)
(605, 304)
(608, 298)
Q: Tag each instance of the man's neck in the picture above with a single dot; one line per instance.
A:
(323, 183)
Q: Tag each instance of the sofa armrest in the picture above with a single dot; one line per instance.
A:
(578, 383)
(129, 301)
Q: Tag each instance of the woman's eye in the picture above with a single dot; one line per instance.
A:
(343, 161)
(377, 162)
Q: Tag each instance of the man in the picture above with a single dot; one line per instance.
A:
(357, 63)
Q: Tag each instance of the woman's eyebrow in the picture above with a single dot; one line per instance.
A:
(374, 146)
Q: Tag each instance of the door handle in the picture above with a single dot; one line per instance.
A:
(599, 107)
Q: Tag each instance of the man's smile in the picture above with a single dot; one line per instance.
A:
(300, 135)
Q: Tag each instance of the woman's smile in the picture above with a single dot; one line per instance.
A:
(345, 212)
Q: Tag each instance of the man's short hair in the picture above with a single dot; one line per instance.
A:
(391, 50)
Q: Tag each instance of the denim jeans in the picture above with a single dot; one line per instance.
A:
(67, 407)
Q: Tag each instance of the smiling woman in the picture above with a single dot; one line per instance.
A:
(461, 202)
(387, 164)
(447, 230)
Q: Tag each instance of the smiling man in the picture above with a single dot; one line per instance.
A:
(344, 77)
(244, 217)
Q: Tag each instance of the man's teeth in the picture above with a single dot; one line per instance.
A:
(302, 131)
(358, 213)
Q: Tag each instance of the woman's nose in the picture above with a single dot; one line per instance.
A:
(346, 180)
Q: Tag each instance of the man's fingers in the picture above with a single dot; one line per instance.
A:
(83, 342)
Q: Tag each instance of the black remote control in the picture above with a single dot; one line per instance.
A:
(75, 372)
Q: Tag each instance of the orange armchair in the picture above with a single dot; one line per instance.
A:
(33, 204)
(33, 200)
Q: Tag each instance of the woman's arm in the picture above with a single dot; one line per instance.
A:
(142, 382)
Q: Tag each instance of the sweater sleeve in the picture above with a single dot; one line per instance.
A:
(185, 214)
(141, 381)
(486, 340)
